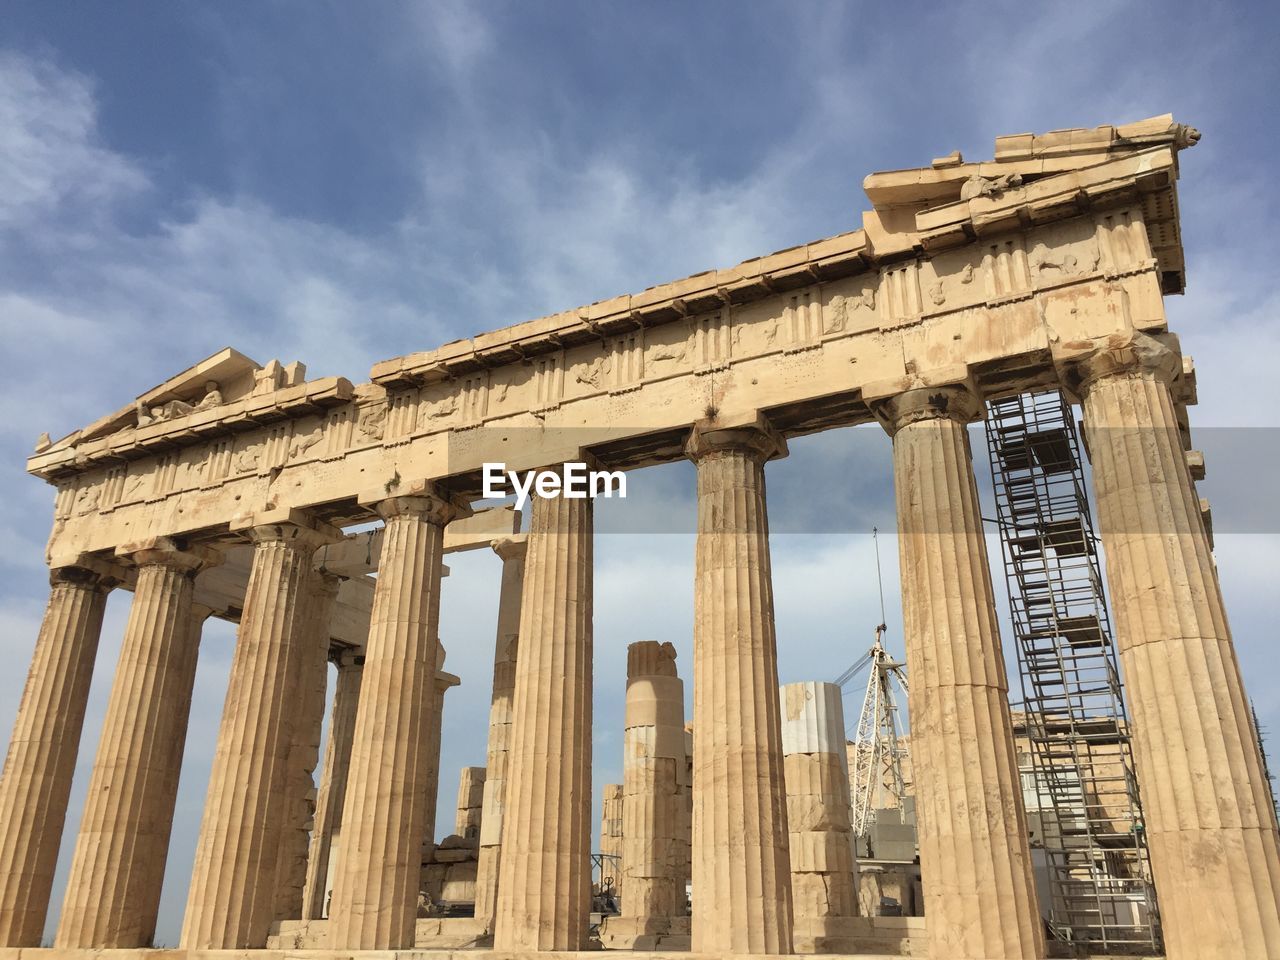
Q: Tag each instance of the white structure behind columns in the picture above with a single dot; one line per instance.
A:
(823, 870)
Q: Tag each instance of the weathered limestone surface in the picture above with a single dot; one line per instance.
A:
(1208, 815)
(655, 830)
(544, 890)
(434, 726)
(974, 855)
(611, 838)
(36, 782)
(823, 872)
(113, 892)
(304, 753)
(467, 822)
(379, 863)
(506, 645)
(229, 905)
(741, 884)
(333, 783)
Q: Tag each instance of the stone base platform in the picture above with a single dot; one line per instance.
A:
(891, 936)
(631, 933)
(435, 933)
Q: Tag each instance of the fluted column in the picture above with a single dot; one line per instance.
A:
(512, 552)
(544, 892)
(113, 892)
(431, 781)
(741, 872)
(975, 860)
(1207, 810)
(333, 782)
(653, 799)
(36, 782)
(304, 753)
(231, 900)
(823, 883)
(376, 880)
(611, 834)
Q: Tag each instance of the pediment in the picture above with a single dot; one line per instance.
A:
(224, 376)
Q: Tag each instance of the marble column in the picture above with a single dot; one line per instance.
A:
(512, 552)
(230, 904)
(431, 781)
(823, 871)
(467, 820)
(304, 753)
(653, 790)
(1207, 809)
(741, 881)
(36, 782)
(113, 891)
(611, 835)
(333, 781)
(544, 892)
(376, 881)
(975, 860)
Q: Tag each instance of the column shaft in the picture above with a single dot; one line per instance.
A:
(333, 783)
(230, 904)
(1207, 809)
(376, 882)
(304, 753)
(975, 860)
(653, 800)
(823, 881)
(113, 893)
(36, 782)
(544, 892)
(506, 644)
(741, 872)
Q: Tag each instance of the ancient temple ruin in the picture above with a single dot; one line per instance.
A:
(229, 490)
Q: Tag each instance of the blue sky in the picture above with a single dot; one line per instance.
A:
(342, 183)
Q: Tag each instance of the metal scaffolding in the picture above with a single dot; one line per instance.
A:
(1078, 781)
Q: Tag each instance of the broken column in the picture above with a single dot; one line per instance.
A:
(823, 871)
(333, 782)
(1207, 810)
(470, 803)
(36, 782)
(379, 865)
(544, 893)
(741, 881)
(512, 552)
(230, 903)
(113, 890)
(975, 858)
(653, 792)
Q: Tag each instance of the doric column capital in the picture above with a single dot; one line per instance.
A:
(757, 440)
(172, 552)
(959, 402)
(433, 507)
(1081, 363)
(445, 680)
(287, 524)
(511, 548)
(91, 578)
(346, 658)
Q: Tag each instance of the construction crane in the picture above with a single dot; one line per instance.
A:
(877, 762)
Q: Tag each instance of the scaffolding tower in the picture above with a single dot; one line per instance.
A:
(1078, 781)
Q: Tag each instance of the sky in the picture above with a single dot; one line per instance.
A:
(344, 183)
